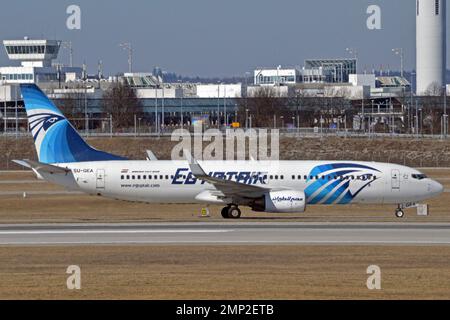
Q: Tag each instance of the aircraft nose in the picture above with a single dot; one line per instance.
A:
(436, 188)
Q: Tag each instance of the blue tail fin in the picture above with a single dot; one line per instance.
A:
(55, 138)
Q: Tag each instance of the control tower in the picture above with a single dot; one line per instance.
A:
(33, 53)
(35, 56)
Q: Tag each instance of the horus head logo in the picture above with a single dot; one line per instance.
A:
(41, 122)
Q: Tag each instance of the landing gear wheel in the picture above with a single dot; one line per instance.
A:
(399, 213)
(224, 212)
(234, 212)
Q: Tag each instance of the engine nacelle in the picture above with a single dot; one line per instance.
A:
(286, 201)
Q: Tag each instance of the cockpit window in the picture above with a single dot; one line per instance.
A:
(419, 176)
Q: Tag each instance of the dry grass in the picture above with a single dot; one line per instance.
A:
(426, 152)
(225, 272)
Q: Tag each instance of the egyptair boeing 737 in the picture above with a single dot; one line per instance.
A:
(64, 158)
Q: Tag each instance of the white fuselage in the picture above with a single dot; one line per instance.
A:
(324, 182)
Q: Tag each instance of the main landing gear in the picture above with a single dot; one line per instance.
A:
(231, 212)
(399, 213)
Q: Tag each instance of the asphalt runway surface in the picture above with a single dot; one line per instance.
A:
(227, 233)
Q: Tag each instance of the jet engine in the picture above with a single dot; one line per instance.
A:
(285, 201)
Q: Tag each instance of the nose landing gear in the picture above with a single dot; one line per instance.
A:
(231, 212)
(399, 213)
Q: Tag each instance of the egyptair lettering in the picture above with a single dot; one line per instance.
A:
(184, 176)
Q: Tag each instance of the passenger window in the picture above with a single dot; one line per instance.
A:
(121, 177)
(306, 177)
(271, 177)
(299, 177)
(276, 177)
(167, 177)
(139, 177)
(281, 177)
(293, 177)
(155, 176)
(133, 177)
(128, 177)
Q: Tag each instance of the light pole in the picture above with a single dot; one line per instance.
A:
(156, 105)
(86, 119)
(445, 122)
(225, 105)
(246, 88)
(354, 53)
(218, 104)
(278, 79)
(68, 45)
(417, 120)
(162, 108)
(127, 46)
(4, 112)
(181, 113)
(399, 52)
(411, 98)
(246, 118)
(15, 111)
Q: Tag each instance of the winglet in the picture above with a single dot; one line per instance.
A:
(151, 156)
(195, 167)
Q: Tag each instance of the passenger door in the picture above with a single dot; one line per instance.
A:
(395, 180)
(100, 179)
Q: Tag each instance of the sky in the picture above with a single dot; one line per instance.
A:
(217, 38)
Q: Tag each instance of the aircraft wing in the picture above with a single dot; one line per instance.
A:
(228, 188)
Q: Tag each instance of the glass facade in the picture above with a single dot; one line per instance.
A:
(340, 69)
(30, 49)
(23, 76)
(260, 79)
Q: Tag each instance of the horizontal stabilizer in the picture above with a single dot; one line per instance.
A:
(41, 167)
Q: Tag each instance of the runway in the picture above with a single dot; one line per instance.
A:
(227, 233)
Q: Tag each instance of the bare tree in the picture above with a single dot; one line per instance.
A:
(72, 106)
(433, 90)
(121, 102)
(262, 106)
